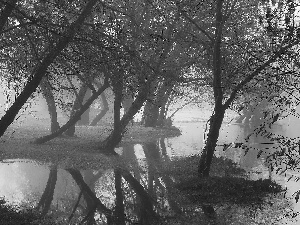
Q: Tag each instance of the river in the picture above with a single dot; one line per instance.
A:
(28, 183)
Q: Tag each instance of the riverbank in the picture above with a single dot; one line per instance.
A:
(80, 151)
(234, 200)
(228, 196)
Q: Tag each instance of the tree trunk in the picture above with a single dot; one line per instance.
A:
(117, 132)
(113, 139)
(41, 69)
(164, 109)
(162, 115)
(149, 117)
(127, 102)
(219, 110)
(49, 97)
(104, 110)
(210, 144)
(118, 90)
(72, 121)
(153, 108)
(85, 118)
(76, 106)
(151, 113)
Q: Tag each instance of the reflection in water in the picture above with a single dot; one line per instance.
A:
(113, 196)
(252, 157)
(22, 180)
(47, 197)
(247, 158)
(119, 196)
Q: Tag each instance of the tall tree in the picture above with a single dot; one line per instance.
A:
(260, 55)
(148, 33)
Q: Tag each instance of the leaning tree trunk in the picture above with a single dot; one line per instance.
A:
(72, 121)
(49, 97)
(114, 138)
(41, 69)
(104, 110)
(76, 106)
(210, 143)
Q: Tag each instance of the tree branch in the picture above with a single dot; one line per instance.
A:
(275, 56)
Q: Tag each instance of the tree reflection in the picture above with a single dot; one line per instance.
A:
(117, 214)
(147, 214)
(90, 196)
(119, 209)
(160, 184)
(90, 178)
(47, 197)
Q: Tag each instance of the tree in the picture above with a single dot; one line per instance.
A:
(226, 68)
(47, 93)
(138, 42)
(76, 106)
(104, 109)
(72, 121)
(154, 107)
(152, 36)
(41, 68)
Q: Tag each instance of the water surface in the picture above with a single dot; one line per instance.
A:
(60, 191)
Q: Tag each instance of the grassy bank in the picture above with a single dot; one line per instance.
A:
(80, 151)
(228, 196)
